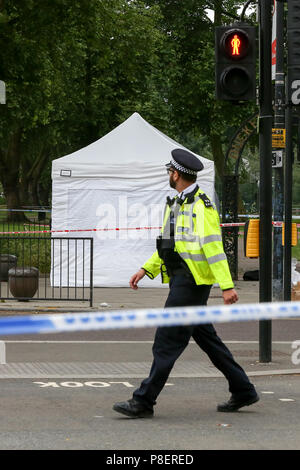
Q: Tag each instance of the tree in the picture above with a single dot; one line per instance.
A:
(191, 93)
(74, 70)
(35, 42)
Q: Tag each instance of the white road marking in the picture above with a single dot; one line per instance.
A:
(127, 342)
(286, 399)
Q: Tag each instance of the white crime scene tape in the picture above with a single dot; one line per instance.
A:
(144, 318)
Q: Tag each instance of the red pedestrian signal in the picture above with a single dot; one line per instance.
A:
(235, 45)
(236, 62)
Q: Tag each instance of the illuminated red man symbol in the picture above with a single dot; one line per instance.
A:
(235, 43)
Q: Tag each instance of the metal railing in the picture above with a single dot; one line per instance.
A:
(32, 225)
(46, 268)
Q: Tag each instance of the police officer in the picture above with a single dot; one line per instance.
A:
(190, 257)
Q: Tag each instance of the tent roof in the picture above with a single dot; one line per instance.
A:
(134, 141)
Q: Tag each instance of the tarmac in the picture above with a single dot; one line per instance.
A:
(57, 390)
(242, 337)
(116, 358)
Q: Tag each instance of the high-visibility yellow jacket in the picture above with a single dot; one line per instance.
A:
(198, 241)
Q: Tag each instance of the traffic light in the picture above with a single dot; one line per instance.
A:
(293, 34)
(235, 50)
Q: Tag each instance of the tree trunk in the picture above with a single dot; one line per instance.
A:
(32, 169)
(218, 12)
(215, 139)
(218, 155)
(24, 194)
(9, 171)
(34, 192)
(44, 194)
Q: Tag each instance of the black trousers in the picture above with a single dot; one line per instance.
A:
(170, 342)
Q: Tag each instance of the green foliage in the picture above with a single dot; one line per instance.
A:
(75, 69)
(296, 252)
(190, 35)
(296, 185)
(34, 252)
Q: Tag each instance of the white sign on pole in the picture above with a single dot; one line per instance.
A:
(277, 158)
(295, 92)
(2, 92)
(274, 41)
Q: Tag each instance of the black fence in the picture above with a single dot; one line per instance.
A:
(35, 223)
(46, 268)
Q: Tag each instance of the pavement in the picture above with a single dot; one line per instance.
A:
(112, 359)
(120, 298)
(126, 298)
(108, 360)
(57, 390)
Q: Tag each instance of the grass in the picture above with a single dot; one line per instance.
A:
(296, 252)
(29, 251)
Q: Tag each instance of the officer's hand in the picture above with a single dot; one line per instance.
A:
(230, 296)
(136, 278)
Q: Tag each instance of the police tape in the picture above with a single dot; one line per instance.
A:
(256, 216)
(81, 230)
(108, 229)
(146, 318)
(233, 224)
(118, 229)
(25, 210)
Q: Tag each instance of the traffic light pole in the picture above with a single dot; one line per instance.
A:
(265, 187)
(279, 123)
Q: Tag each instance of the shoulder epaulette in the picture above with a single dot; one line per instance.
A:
(206, 200)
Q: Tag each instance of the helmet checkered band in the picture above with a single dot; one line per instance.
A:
(181, 168)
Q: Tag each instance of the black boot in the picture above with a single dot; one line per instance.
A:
(133, 409)
(235, 403)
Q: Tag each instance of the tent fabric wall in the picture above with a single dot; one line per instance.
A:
(119, 181)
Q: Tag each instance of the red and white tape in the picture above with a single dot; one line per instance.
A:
(232, 224)
(80, 230)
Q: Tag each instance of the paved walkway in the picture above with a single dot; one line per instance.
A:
(112, 361)
(119, 298)
(123, 298)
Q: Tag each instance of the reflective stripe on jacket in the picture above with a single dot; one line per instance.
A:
(198, 241)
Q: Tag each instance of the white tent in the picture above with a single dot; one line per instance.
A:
(119, 181)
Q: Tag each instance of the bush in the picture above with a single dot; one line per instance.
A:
(29, 251)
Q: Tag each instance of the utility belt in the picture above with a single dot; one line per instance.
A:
(181, 271)
(164, 245)
(172, 260)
